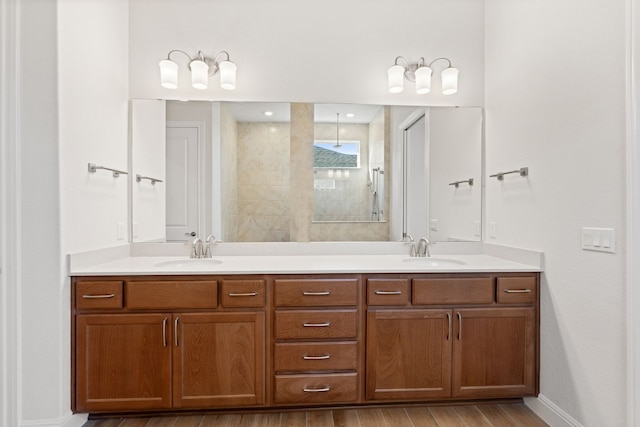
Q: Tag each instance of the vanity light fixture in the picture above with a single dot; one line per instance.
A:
(201, 69)
(420, 74)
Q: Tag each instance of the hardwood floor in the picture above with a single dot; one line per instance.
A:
(481, 415)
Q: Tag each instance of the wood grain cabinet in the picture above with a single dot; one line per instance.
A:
(168, 345)
(316, 349)
(176, 343)
(452, 336)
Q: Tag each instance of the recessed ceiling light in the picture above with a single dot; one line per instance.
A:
(268, 113)
(351, 115)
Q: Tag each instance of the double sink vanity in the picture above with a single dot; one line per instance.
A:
(170, 333)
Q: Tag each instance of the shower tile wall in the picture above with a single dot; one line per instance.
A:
(350, 199)
(229, 178)
(263, 176)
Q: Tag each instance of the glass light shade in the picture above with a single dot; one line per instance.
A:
(228, 75)
(423, 80)
(450, 81)
(168, 74)
(396, 78)
(199, 74)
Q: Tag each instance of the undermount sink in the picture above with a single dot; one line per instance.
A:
(189, 262)
(434, 262)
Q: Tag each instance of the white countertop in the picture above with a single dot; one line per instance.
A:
(302, 264)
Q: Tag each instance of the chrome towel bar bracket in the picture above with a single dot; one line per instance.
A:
(153, 180)
(464, 181)
(116, 173)
(500, 175)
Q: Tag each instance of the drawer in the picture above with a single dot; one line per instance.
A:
(315, 324)
(171, 295)
(516, 290)
(315, 292)
(388, 291)
(242, 293)
(478, 290)
(99, 295)
(319, 388)
(319, 356)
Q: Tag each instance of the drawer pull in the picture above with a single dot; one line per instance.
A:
(517, 291)
(316, 294)
(164, 332)
(388, 292)
(102, 296)
(323, 357)
(316, 390)
(316, 325)
(245, 294)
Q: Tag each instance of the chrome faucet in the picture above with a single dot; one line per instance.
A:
(196, 250)
(407, 239)
(423, 248)
(208, 252)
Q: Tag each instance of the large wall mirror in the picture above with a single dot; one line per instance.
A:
(276, 172)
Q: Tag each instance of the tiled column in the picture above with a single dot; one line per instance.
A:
(301, 171)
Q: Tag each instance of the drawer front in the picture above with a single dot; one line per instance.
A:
(453, 291)
(320, 388)
(388, 291)
(315, 324)
(315, 292)
(171, 294)
(99, 295)
(516, 290)
(316, 356)
(242, 293)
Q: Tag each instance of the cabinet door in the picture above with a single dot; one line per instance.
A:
(219, 359)
(408, 354)
(123, 362)
(494, 352)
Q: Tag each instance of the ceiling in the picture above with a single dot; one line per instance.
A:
(323, 113)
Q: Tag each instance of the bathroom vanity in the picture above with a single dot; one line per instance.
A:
(295, 332)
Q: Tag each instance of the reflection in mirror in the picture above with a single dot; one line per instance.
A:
(349, 146)
(251, 177)
(442, 201)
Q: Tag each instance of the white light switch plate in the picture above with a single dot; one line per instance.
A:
(599, 239)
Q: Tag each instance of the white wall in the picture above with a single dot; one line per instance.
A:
(93, 90)
(555, 102)
(455, 153)
(322, 51)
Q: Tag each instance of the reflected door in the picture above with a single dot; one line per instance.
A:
(182, 183)
(416, 179)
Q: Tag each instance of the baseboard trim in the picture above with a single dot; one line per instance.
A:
(72, 420)
(551, 413)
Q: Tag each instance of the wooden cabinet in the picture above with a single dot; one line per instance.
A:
(494, 352)
(456, 336)
(218, 359)
(408, 354)
(316, 348)
(151, 354)
(122, 362)
(164, 343)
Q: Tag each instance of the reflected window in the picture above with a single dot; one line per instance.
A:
(328, 154)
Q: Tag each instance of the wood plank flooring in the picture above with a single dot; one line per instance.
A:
(481, 415)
